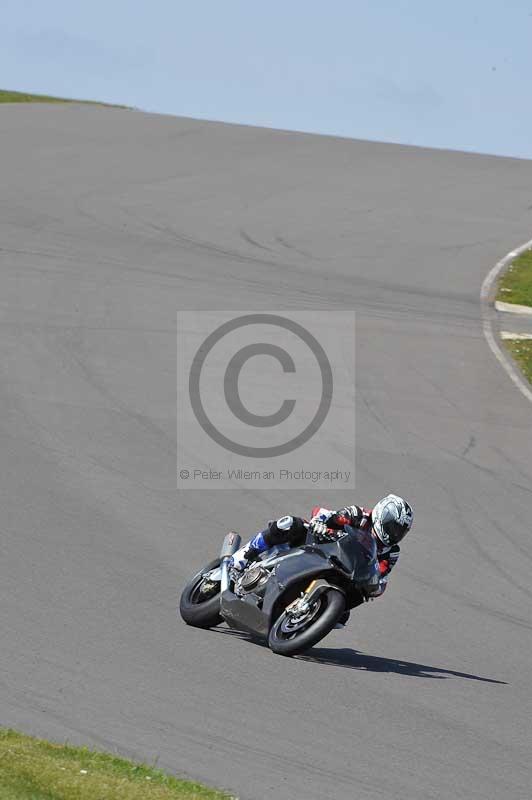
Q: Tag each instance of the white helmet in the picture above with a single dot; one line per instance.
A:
(392, 519)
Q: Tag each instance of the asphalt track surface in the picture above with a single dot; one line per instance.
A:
(109, 222)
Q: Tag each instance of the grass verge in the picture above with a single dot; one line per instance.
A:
(33, 769)
(22, 97)
(522, 353)
(515, 286)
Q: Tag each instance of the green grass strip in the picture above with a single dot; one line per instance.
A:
(521, 350)
(22, 97)
(515, 286)
(34, 769)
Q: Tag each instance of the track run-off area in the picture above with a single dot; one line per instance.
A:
(110, 222)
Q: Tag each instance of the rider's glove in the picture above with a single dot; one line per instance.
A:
(317, 527)
(321, 532)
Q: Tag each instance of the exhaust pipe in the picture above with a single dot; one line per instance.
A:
(230, 546)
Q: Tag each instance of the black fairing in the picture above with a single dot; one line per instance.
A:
(349, 563)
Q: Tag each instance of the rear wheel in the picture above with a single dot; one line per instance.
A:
(292, 634)
(200, 600)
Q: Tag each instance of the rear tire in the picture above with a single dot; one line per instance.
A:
(195, 611)
(285, 644)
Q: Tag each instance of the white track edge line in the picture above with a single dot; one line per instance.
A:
(487, 319)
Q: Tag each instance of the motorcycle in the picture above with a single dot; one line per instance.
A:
(290, 598)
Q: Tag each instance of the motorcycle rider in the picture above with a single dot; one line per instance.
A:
(389, 521)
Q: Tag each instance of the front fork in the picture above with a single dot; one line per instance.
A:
(302, 604)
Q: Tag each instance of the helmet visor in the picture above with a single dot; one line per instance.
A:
(392, 529)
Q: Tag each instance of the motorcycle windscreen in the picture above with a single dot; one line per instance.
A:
(358, 551)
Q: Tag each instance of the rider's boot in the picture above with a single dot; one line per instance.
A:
(249, 552)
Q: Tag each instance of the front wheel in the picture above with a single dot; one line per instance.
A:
(200, 600)
(291, 635)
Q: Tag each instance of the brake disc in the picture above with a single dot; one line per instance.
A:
(294, 622)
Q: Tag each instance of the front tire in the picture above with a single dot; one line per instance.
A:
(287, 640)
(197, 609)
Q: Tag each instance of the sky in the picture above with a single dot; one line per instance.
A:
(455, 75)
